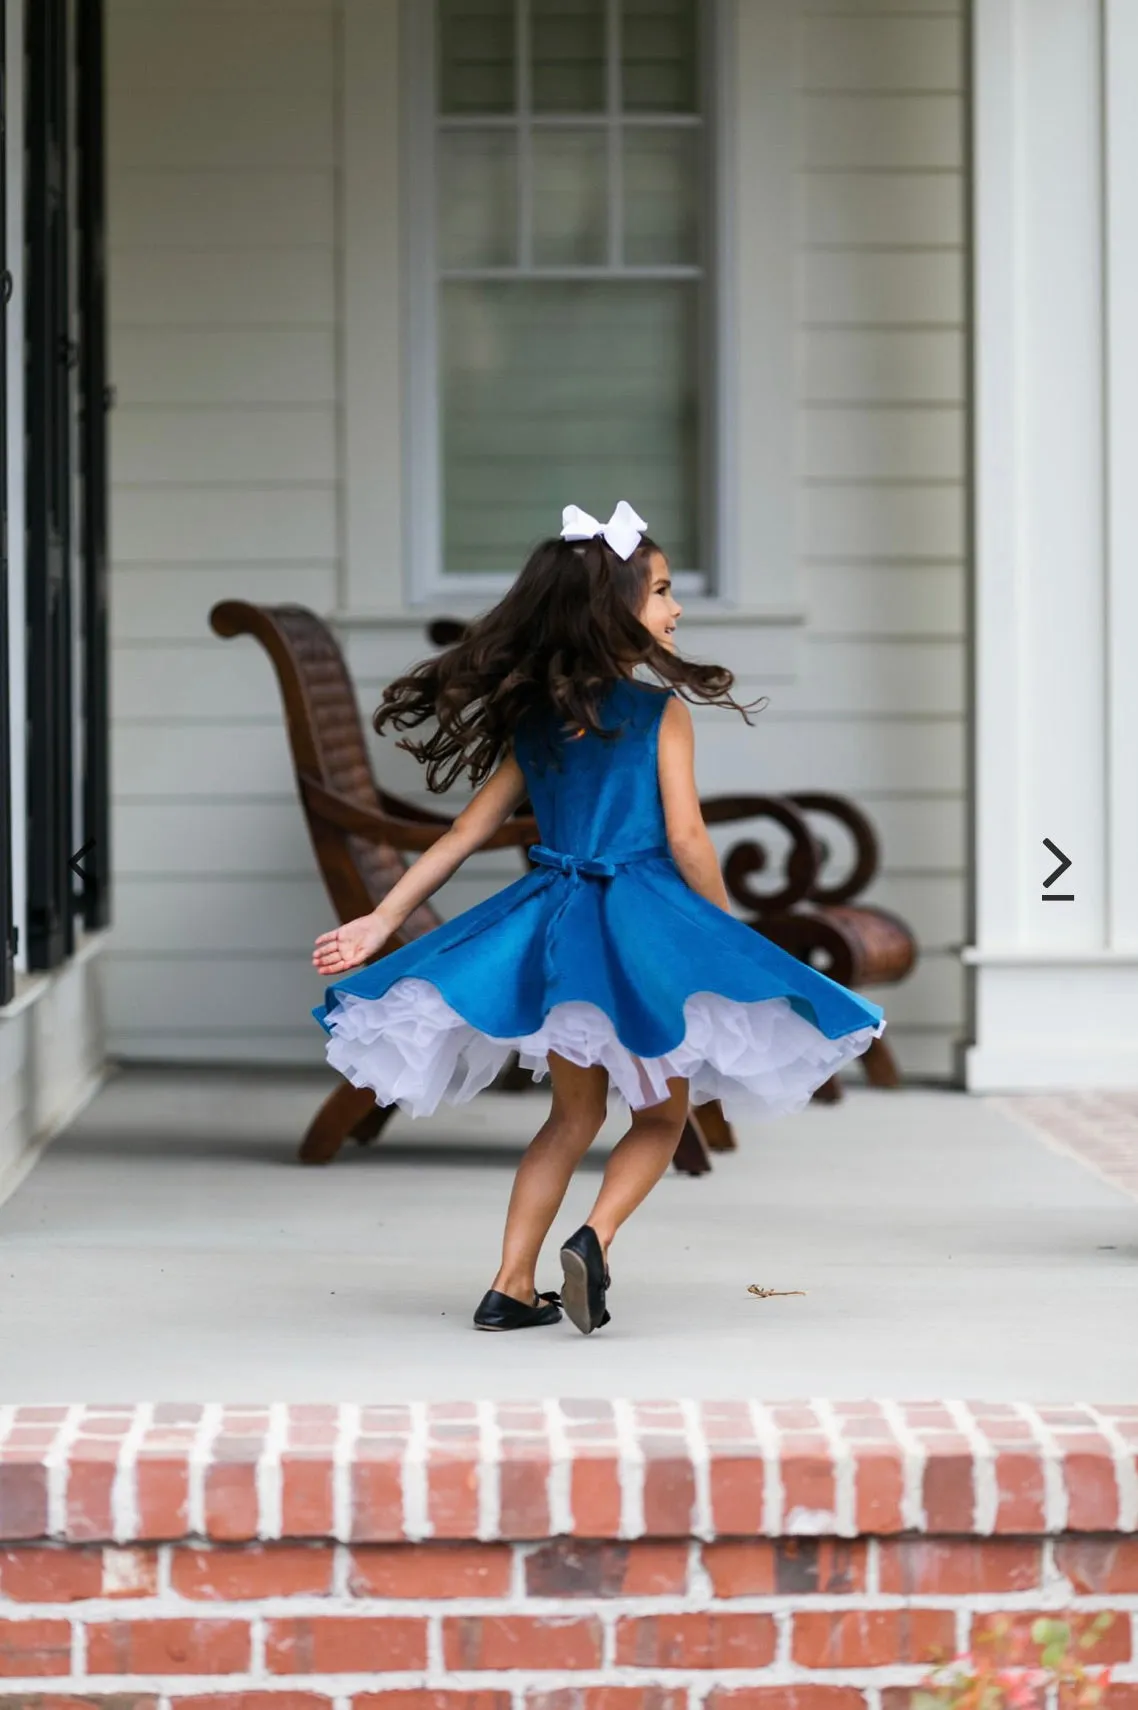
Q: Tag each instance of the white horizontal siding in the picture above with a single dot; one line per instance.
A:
(293, 285)
(155, 602)
(223, 266)
(882, 362)
(878, 368)
(246, 366)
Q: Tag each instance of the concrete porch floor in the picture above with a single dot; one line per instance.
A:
(168, 1247)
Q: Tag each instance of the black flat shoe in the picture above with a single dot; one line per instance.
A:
(585, 1280)
(497, 1311)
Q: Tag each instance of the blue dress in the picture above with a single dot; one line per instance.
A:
(602, 953)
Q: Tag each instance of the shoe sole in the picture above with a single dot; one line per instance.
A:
(575, 1290)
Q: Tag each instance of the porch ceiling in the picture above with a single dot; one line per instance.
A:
(168, 1247)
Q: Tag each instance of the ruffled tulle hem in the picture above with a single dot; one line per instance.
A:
(758, 1059)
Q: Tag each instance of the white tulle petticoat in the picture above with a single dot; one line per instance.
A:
(757, 1059)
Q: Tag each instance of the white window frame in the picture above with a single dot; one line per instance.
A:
(430, 582)
(751, 519)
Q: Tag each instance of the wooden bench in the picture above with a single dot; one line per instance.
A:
(361, 832)
(856, 944)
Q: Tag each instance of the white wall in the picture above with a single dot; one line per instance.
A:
(880, 709)
(223, 251)
(222, 190)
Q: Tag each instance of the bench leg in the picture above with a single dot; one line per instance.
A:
(690, 1156)
(345, 1110)
(880, 1065)
(715, 1128)
(370, 1125)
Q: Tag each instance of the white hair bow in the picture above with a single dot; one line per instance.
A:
(623, 531)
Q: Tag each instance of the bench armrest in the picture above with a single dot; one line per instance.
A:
(403, 834)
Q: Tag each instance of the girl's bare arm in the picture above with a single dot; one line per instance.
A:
(353, 942)
(486, 810)
(691, 847)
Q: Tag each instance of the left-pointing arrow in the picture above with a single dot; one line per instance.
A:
(78, 856)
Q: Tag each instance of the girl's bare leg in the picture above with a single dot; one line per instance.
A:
(580, 1098)
(638, 1161)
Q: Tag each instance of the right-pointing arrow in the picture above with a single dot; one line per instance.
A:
(1064, 862)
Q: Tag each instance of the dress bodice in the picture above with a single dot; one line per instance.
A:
(594, 796)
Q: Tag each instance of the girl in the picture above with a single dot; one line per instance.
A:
(616, 959)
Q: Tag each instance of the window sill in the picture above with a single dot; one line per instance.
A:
(417, 617)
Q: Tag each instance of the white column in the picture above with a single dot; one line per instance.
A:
(1121, 202)
(1056, 618)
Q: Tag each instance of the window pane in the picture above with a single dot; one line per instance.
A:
(568, 56)
(478, 219)
(661, 197)
(658, 56)
(570, 213)
(476, 56)
(566, 393)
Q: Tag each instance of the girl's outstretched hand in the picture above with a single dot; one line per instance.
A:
(350, 944)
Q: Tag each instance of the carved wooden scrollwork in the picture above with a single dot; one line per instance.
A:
(864, 838)
(744, 859)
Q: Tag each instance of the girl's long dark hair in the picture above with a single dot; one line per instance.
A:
(566, 628)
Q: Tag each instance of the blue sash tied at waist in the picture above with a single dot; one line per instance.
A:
(575, 868)
(589, 866)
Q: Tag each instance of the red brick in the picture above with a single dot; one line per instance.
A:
(427, 1698)
(669, 1487)
(738, 1484)
(595, 1494)
(695, 1641)
(40, 1574)
(162, 1485)
(807, 1469)
(35, 1647)
(162, 1646)
(571, 1567)
(805, 1697)
(430, 1570)
(306, 1495)
(1020, 1504)
(345, 1644)
(1033, 1691)
(1099, 1567)
(521, 1641)
(792, 1566)
(1092, 1488)
(79, 1701)
(377, 1498)
(1119, 1695)
(257, 1701)
(23, 1498)
(523, 1485)
(229, 1575)
(879, 1487)
(452, 1494)
(90, 1478)
(1113, 1645)
(231, 1503)
(946, 1567)
(949, 1495)
(607, 1698)
(872, 1638)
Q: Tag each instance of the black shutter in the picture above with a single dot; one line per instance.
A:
(94, 401)
(49, 362)
(7, 926)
